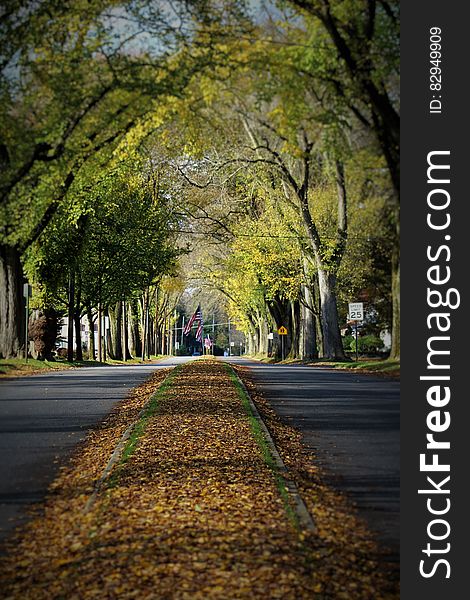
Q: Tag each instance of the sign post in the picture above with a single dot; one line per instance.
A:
(27, 291)
(282, 331)
(356, 314)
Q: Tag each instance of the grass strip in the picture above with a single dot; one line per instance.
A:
(262, 443)
(140, 426)
(19, 367)
(386, 367)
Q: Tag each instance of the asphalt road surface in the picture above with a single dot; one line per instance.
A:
(43, 417)
(351, 422)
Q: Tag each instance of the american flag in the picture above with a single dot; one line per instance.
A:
(200, 325)
(197, 316)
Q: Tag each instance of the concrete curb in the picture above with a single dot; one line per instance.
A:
(305, 518)
(116, 455)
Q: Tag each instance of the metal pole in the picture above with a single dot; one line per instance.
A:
(176, 333)
(282, 347)
(229, 340)
(356, 343)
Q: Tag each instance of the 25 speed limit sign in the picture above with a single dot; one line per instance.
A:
(356, 311)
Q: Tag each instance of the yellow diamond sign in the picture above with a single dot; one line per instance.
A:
(282, 330)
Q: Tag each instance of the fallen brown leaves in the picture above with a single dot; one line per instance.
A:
(193, 513)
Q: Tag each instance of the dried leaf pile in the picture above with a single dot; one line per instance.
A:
(192, 513)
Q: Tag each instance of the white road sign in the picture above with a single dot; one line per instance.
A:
(356, 311)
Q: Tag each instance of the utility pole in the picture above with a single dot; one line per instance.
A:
(176, 332)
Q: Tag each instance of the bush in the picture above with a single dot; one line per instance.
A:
(348, 343)
(43, 332)
(367, 344)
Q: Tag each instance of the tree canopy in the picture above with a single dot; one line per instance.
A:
(264, 140)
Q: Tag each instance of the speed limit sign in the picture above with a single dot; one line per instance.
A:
(356, 311)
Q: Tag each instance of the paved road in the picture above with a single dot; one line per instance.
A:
(352, 424)
(43, 417)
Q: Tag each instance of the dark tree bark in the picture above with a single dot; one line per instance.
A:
(281, 313)
(78, 337)
(115, 331)
(135, 340)
(331, 338)
(125, 332)
(295, 336)
(78, 324)
(12, 306)
(100, 334)
(308, 335)
(91, 333)
(332, 342)
(70, 316)
(262, 335)
(395, 349)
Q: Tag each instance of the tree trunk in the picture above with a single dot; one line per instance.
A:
(70, 316)
(307, 341)
(78, 336)
(135, 340)
(332, 343)
(262, 335)
(91, 333)
(145, 324)
(295, 330)
(12, 306)
(395, 350)
(78, 323)
(100, 333)
(281, 313)
(125, 332)
(115, 332)
(252, 343)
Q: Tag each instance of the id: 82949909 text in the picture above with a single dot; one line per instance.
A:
(435, 70)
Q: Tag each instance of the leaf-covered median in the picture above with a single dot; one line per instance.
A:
(190, 511)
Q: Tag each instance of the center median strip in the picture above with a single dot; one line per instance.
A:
(129, 438)
(294, 504)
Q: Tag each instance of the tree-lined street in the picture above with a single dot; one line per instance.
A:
(184, 178)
